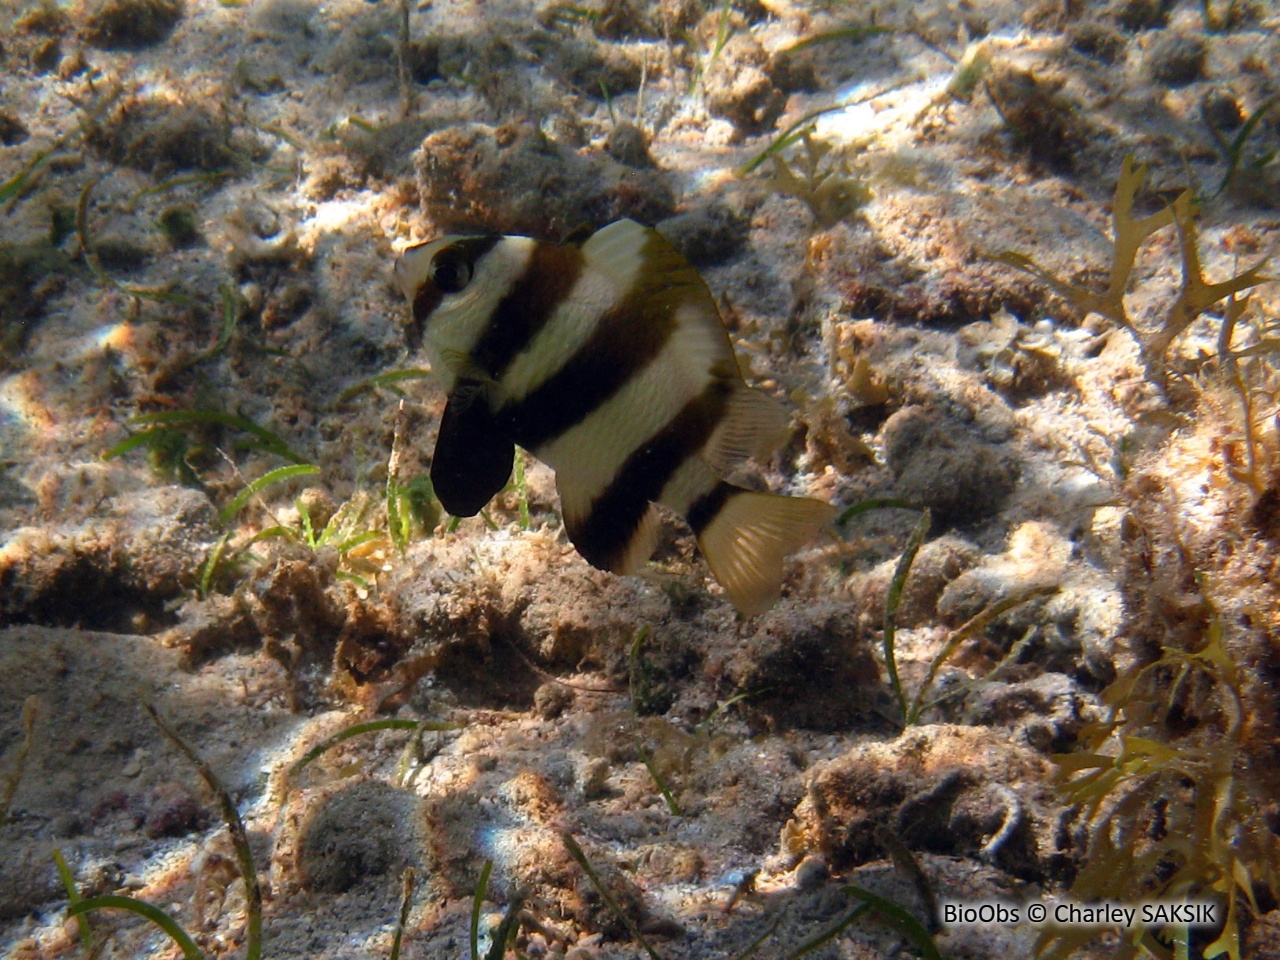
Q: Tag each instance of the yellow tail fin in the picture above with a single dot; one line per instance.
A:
(747, 540)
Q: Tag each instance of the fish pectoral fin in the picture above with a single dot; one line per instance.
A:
(473, 457)
(467, 371)
(755, 425)
(750, 536)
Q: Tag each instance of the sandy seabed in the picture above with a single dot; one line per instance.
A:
(201, 205)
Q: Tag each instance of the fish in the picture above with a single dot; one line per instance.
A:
(607, 359)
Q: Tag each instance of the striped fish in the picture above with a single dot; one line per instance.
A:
(608, 361)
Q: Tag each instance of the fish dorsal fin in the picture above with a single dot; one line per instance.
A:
(750, 536)
(641, 264)
(609, 243)
(578, 235)
(754, 425)
(473, 458)
(617, 249)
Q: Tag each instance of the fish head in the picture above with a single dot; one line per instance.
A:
(438, 267)
(444, 279)
(413, 267)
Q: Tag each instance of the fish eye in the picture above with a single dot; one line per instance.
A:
(450, 270)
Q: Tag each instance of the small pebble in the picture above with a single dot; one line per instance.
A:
(1222, 110)
(628, 145)
(945, 465)
(594, 777)
(171, 811)
(812, 873)
(552, 699)
(65, 825)
(133, 766)
(361, 833)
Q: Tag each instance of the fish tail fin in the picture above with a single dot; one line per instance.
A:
(746, 536)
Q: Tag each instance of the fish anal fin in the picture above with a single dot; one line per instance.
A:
(749, 538)
(473, 459)
(643, 541)
(754, 425)
(617, 534)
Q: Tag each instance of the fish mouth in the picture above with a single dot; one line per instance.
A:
(413, 267)
(402, 277)
(407, 269)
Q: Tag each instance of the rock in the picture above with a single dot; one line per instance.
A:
(361, 833)
(171, 811)
(12, 130)
(707, 235)
(1044, 121)
(156, 135)
(623, 19)
(1176, 59)
(133, 24)
(745, 86)
(599, 69)
(808, 666)
(119, 571)
(1222, 110)
(1136, 15)
(812, 873)
(552, 699)
(950, 791)
(1047, 712)
(628, 145)
(1098, 40)
(945, 465)
(28, 877)
(937, 564)
(513, 179)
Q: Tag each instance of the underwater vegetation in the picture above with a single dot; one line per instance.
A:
(1172, 785)
(1195, 296)
(199, 284)
(1170, 803)
(80, 908)
(822, 177)
(362, 531)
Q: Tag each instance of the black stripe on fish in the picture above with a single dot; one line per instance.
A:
(466, 251)
(558, 332)
(548, 279)
(627, 338)
(705, 508)
(602, 537)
